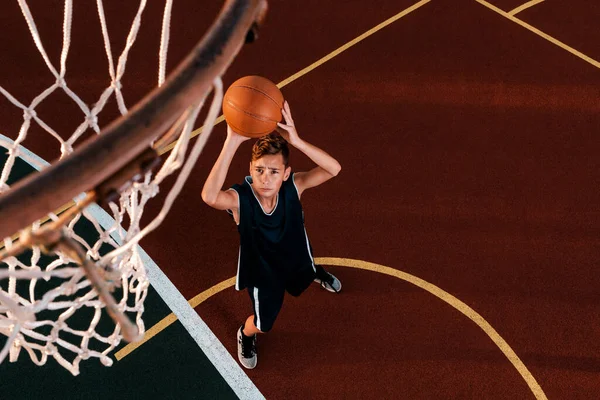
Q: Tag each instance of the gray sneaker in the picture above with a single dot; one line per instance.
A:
(246, 349)
(327, 280)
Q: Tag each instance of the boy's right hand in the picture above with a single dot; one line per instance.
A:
(233, 135)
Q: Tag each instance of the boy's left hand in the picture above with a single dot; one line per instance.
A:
(288, 130)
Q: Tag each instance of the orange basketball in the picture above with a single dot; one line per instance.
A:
(252, 106)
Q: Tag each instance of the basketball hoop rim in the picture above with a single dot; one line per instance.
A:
(123, 140)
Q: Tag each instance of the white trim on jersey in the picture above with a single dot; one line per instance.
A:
(294, 182)
(237, 274)
(305, 234)
(261, 207)
(239, 211)
(257, 309)
(312, 261)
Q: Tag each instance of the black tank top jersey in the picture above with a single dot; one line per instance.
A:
(274, 249)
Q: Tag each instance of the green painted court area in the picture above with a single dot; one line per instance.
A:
(170, 366)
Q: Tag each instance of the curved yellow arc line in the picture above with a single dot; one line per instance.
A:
(454, 302)
(382, 269)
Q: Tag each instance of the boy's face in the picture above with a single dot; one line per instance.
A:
(268, 174)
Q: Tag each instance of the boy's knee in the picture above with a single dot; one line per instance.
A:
(260, 326)
(264, 329)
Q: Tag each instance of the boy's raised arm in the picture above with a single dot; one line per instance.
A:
(212, 192)
(327, 166)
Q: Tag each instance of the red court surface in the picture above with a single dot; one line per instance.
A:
(469, 151)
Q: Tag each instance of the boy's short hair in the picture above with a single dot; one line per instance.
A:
(271, 144)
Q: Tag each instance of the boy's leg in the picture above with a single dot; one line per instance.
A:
(249, 329)
(266, 303)
(327, 280)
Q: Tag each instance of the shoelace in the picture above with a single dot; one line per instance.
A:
(327, 278)
(248, 346)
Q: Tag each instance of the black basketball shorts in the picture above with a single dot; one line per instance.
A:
(266, 304)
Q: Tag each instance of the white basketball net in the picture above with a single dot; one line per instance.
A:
(50, 323)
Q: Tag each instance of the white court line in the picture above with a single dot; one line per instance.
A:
(524, 6)
(233, 374)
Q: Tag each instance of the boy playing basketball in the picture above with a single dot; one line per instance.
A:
(275, 254)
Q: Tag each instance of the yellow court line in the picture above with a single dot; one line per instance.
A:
(353, 42)
(364, 265)
(307, 69)
(540, 33)
(57, 212)
(324, 59)
(525, 6)
(454, 302)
